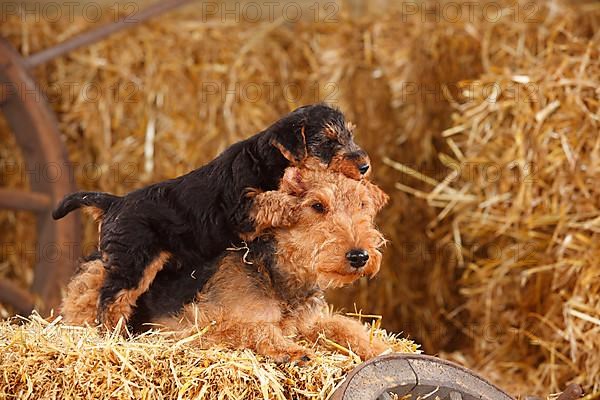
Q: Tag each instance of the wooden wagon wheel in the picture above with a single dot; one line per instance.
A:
(35, 127)
(418, 376)
(36, 132)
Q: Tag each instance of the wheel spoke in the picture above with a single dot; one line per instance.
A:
(22, 200)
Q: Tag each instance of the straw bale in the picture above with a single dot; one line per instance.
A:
(426, 64)
(45, 359)
(521, 205)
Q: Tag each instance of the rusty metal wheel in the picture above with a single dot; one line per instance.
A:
(395, 376)
(36, 132)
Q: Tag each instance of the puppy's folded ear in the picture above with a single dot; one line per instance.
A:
(293, 182)
(291, 143)
(378, 196)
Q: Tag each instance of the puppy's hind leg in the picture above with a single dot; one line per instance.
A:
(270, 341)
(264, 338)
(123, 286)
(80, 304)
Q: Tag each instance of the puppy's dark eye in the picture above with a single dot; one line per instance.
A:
(318, 207)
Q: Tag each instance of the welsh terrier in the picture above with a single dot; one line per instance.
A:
(181, 226)
(272, 289)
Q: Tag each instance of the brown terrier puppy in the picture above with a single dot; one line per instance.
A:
(273, 289)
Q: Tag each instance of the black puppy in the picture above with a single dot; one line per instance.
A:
(181, 225)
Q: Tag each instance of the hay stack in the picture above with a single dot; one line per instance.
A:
(521, 205)
(43, 360)
(427, 64)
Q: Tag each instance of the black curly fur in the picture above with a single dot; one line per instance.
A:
(73, 201)
(195, 217)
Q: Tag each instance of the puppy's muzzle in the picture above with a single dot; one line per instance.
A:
(360, 159)
(357, 258)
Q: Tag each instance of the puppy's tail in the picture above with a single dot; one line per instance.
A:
(95, 203)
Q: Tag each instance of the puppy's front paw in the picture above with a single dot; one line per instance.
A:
(302, 357)
(299, 356)
(376, 348)
(291, 215)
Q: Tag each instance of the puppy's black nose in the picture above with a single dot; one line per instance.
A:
(357, 257)
(363, 168)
